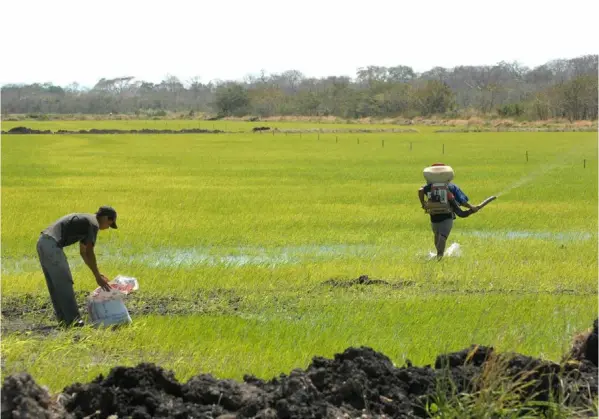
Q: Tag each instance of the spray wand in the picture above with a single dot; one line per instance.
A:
(486, 201)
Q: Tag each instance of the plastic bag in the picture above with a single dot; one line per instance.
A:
(121, 286)
(107, 307)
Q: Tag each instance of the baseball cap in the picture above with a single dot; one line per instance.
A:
(109, 212)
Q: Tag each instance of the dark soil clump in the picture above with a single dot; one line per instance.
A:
(25, 130)
(365, 280)
(23, 398)
(585, 346)
(361, 280)
(359, 382)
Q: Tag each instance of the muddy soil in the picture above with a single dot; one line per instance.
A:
(34, 313)
(359, 382)
(365, 280)
(447, 288)
(28, 313)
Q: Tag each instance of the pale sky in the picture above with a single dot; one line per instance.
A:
(65, 41)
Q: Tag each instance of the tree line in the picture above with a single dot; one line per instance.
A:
(562, 88)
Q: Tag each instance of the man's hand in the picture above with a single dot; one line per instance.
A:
(470, 206)
(88, 255)
(103, 282)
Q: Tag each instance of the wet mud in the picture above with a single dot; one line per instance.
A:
(34, 313)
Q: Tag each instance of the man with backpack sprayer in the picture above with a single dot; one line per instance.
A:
(443, 203)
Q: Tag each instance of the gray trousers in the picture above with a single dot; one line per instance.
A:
(443, 228)
(442, 231)
(58, 279)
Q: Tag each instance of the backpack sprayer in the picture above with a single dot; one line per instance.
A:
(438, 175)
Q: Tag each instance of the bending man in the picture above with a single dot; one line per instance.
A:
(67, 230)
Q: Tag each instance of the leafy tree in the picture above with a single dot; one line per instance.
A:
(232, 99)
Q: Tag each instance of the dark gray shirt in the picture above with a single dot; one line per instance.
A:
(73, 228)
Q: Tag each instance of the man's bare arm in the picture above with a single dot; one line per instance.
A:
(421, 197)
(89, 257)
(82, 252)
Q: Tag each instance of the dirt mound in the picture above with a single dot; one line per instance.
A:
(361, 280)
(25, 130)
(23, 398)
(359, 381)
(364, 280)
(585, 346)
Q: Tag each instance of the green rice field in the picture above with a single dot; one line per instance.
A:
(234, 236)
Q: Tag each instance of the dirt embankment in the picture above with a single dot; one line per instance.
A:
(359, 382)
(25, 130)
